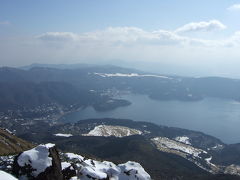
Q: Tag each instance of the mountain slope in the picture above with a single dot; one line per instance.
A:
(11, 144)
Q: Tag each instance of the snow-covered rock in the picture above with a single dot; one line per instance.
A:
(117, 131)
(88, 169)
(38, 158)
(132, 170)
(6, 176)
(41, 162)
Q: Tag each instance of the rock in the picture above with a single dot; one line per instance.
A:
(39, 163)
(44, 163)
(69, 172)
(89, 169)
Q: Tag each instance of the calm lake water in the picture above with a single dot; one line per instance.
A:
(217, 117)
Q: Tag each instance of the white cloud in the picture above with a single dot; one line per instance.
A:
(235, 7)
(134, 45)
(125, 36)
(122, 36)
(58, 36)
(201, 26)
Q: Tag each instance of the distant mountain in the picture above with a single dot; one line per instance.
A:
(57, 66)
(105, 78)
(21, 95)
(71, 66)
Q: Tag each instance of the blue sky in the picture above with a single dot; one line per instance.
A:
(182, 37)
(81, 15)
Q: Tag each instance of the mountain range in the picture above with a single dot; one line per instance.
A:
(34, 98)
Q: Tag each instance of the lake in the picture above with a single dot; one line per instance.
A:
(216, 117)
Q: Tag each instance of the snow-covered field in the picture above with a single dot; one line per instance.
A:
(181, 146)
(130, 75)
(117, 131)
(165, 143)
(63, 135)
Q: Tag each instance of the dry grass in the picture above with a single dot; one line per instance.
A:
(11, 144)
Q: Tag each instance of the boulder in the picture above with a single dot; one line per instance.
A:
(39, 163)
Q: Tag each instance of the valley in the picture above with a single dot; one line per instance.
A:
(90, 111)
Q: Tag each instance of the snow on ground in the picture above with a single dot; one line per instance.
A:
(179, 147)
(6, 162)
(117, 131)
(135, 171)
(65, 165)
(97, 169)
(74, 156)
(6, 176)
(208, 160)
(88, 169)
(63, 135)
(165, 143)
(183, 139)
(130, 75)
(217, 147)
(232, 169)
(10, 132)
(38, 158)
(74, 178)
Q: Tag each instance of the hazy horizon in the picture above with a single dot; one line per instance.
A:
(183, 38)
(171, 70)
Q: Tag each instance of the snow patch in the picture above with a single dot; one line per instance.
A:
(10, 132)
(130, 75)
(217, 147)
(63, 135)
(74, 156)
(6, 176)
(74, 178)
(183, 139)
(133, 170)
(65, 165)
(117, 131)
(208, 160)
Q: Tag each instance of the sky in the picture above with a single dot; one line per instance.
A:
(190, 38)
